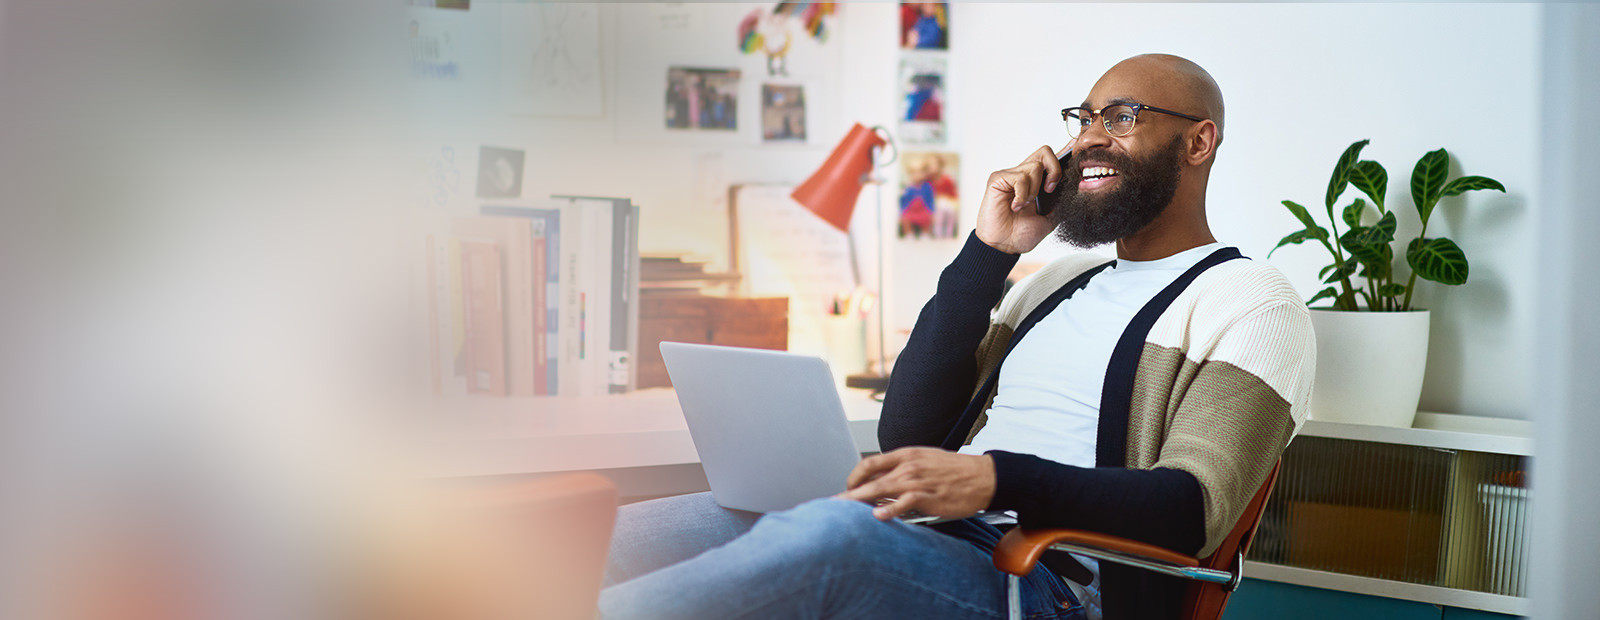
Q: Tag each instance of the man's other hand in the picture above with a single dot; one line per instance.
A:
(928, 480)
(1008, 217)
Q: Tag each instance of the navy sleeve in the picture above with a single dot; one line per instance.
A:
(935, 374)
(1159, 506)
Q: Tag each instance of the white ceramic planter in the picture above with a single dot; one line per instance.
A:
(1369, 366)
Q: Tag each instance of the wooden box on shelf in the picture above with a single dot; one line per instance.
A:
(760, 322)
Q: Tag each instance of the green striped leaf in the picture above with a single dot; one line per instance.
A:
(1439, 260)
(1327, 293)
(1300, 213)
(1352, 213)
(1300, 236)
(1391, 290)
(1467, 184)
(1372, 179)
(1381, 233)
(1340, 271)
(1427, 182)
(1379, 266)
(1341, 172)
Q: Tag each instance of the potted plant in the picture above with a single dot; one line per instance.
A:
(1371, 344)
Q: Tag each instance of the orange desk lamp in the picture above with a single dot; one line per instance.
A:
(831, 193)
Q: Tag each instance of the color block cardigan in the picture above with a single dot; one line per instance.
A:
(1220, 386)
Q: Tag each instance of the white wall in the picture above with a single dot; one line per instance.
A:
(1301, 82)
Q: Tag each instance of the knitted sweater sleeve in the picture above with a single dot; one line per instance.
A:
(1226, 430)
(935, 375)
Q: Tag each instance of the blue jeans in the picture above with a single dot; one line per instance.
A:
(686, 557)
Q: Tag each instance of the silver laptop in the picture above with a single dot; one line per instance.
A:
(769, 425)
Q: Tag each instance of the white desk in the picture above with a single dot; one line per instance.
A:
(643, 429)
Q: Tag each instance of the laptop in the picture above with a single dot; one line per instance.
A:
(769, 425)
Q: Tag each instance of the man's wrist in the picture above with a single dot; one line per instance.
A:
(999, 245)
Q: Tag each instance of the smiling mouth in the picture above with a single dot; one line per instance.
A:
(1099, 172)
(1095, 176)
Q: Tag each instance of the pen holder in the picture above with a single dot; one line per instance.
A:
(845, 339)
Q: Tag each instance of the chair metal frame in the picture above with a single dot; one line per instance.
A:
(1216, 576)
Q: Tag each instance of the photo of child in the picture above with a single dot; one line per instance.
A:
(925, 25)
(929, 203)
(922, 106)
(783, 113)
(702, 98)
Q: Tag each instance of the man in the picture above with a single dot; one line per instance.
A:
(1146, 397)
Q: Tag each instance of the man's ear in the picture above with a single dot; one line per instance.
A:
(1203, 139)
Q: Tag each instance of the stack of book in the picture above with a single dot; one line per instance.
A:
(536, 301)
(674, 275)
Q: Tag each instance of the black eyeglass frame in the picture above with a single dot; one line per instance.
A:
(1066, 116)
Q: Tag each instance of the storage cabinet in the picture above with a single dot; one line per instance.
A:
(1433, 514)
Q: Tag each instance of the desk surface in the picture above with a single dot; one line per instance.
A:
(485, 436)
(495, 436)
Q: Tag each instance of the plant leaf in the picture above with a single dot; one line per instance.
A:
(1427, 182)
(1467, 184)
(1352, 213)
(1372, 179)
(1379, 233)
(1341, 172)
(1379, 266)
(1391, 290)
(1303, 215)
(1327, 293)
(1341, 270)
(1370, 245)
(1300, 236)
(1440, 260)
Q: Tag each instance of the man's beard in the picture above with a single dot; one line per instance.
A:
(1144, 188)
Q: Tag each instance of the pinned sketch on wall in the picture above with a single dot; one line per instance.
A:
(922, 119)
(551, 58)
(783, 113)
(781, 249)
(500, 172)
(444, 178)
(928, 200)
(673, 16)
(925, 25)
(434, 52)
(702, 99)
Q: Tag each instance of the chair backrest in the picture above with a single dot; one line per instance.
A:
(1205, 601)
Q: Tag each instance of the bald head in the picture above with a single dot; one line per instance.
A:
(1171, 82)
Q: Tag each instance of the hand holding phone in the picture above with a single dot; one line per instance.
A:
(1011, 217)
(1047, 200)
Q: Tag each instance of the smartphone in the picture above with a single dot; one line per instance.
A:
(1047, 201)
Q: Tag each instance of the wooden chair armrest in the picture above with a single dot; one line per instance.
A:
(1019, 550)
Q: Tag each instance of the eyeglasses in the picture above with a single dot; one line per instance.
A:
(1118, 118)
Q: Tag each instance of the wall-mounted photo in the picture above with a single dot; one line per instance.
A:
(925, 25)
(500, 172)
(929, 202)
(702, 98)
(783, 113)
(922, 106)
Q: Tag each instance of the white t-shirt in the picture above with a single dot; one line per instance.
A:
(1048, 401)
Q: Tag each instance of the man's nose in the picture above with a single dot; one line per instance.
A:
(1094, 134)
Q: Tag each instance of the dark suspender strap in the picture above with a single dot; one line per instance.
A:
(958, 433)
(1111, 443)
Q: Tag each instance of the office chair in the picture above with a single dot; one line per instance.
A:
(1213, 577)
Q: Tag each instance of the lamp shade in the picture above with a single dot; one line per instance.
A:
(832, 190)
